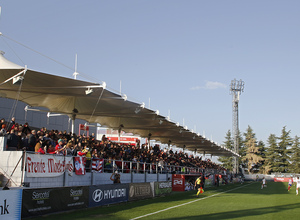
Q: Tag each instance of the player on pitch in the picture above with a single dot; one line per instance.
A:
(290, 183)
(198, 185)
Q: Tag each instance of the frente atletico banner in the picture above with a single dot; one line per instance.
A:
(40, 165)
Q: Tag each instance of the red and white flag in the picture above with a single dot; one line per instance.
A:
(80, 165)
(97, 165)
(70, 168)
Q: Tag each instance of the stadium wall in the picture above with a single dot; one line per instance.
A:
(43, 201)
(252, 177)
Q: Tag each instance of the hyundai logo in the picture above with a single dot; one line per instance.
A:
(97, 195)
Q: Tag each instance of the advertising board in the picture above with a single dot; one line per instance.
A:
(50, 200)
(10, 204)
(140, 191)
(281, 179)
(178, 182)
(108, 194)
(161, 188)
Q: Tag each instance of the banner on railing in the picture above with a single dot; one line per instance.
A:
(97, 165)
(79, 165)
(40, 165)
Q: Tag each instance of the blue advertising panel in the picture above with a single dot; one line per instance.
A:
(108, 194)
(10, 204)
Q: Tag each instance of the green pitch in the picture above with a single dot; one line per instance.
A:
(235, 201)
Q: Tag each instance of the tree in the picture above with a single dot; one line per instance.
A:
(284, 144)
(227, 162)
(272, 156)
(261, 152)
(251, 156)
(295, 156)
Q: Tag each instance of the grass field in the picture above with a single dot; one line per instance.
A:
(235, 201)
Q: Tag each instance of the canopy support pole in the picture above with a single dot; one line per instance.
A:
(73, 123)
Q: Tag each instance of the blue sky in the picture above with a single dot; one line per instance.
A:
(180, 54)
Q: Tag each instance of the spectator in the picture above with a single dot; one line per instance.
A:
(42, 148)
(11, 124)
(39, 144)
(12, 141)
(26, 129)
(32, 140)
(69, 148)
(2, 122)
(3, 130)
(77, 149)
(88, 155)
(59, 148)
(51, 149)
(115, 177)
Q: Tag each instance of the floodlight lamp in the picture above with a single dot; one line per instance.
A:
(142, 105)
(103, 85)
(17, 80)
(89, 91)
(124, 97)
(185, 127)
(157, 112)
(177, 124)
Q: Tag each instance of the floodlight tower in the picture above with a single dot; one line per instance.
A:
(236, 88)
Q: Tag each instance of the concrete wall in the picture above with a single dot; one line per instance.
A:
(8, 162)
(92, 179)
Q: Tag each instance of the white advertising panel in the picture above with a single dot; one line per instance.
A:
(10, 204)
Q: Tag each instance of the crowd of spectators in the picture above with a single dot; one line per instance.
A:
(22, 137)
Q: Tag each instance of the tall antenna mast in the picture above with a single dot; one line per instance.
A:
(75, 73)
(236, 88)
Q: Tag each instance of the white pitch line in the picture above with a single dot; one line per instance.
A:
(176, 206)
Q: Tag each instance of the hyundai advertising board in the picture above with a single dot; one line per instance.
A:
(10, 204)
(108, 194)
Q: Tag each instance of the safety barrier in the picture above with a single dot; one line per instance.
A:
(33, 202)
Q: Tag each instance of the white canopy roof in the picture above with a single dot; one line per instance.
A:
(75, 98)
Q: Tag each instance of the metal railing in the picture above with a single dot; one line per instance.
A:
(111, 165)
